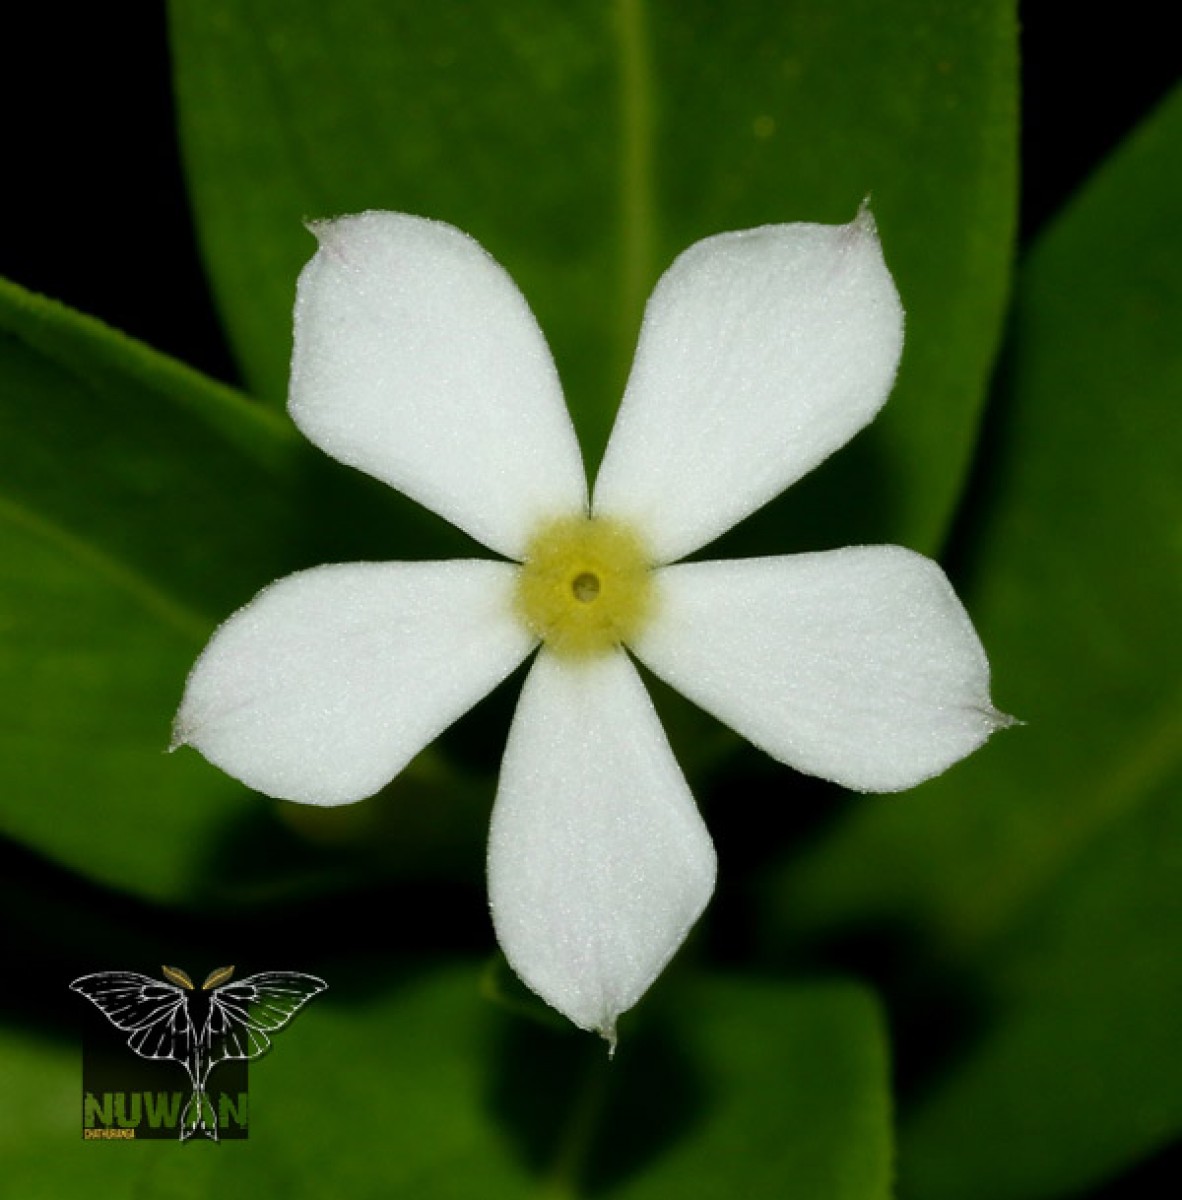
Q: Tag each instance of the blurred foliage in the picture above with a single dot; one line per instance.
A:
(409, 1084)
(584, 145)
(140, 504)
(1020, 915)
(1048, 867)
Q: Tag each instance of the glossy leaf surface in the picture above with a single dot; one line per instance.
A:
(585, 145)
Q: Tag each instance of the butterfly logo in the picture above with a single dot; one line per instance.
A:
(199, 1029)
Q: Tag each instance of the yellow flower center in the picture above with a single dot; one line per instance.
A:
(585, 585)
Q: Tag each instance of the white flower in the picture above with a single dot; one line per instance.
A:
(418, 361)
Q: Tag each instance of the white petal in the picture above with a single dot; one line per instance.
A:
(761, 353)
(857, 665)
(417, 360)
(598, 861)
(328, 682)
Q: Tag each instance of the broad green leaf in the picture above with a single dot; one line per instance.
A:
(793, 1094)
(415, 1086)
(139, 505)
(1076, 589)
(586, 144)
(1076, 1070)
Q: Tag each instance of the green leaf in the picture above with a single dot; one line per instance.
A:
(415, 1086)
(139, 505)
(586, 144)
(1076, 590)
(1076, 1070)
(125, 478)
(794, 1097)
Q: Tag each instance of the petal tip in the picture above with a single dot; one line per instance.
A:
(1001, 720)
(181, 734)
(320, 227)
(863, 230)
(608, 1033)
(863, 221)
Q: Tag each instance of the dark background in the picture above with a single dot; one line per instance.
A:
(94, 207)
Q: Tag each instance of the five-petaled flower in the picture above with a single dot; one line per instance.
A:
(418, 361)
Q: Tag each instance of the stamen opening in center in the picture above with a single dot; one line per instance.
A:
(585, 586)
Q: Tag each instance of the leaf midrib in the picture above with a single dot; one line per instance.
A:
(636, 198)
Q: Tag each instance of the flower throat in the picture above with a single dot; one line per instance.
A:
(585, 585)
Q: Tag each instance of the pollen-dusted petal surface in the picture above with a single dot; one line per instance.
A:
(598, 861)
(329, 681)
(417, 360)
(762, 352)
(858, 665)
